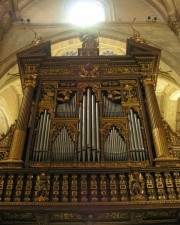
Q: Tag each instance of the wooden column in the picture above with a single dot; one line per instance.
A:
(158, 132)
(19, 137)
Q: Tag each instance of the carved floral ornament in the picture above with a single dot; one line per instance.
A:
(89, 70)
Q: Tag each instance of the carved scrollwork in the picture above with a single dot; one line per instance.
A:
(56, 70)
(121, 128)
(48, 93)
(110, 84)
(65, 216)
(70, 126)
(130, 93)
(5, 142)
(122, 70)
(147, 79)
(67, 84)
(173, 139)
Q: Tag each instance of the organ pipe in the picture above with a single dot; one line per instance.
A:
(67, 109)
(115, 147)
(137, 148)
(40, 151)
(111, 109)
(97, 132)
(80, 132)
(88, 142)
(63, 147)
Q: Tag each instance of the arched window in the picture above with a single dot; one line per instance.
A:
(88, 12)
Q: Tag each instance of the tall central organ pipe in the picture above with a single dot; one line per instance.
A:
(88, 146)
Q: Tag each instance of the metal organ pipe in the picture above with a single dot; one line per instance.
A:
(111, 109)
(40, 151)
(89, 124)
(89, 146)
(97, 132)
(94, 141)
(115, 147)
(137, 148)
(63, 147)
(80, 132)
(68, 109)
(84, 128)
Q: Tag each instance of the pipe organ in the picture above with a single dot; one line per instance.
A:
(93, 150)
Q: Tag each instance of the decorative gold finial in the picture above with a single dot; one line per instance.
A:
(136, 35)
(89, 40)
(36, 40)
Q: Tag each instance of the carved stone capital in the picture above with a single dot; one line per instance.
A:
(30, 80)
(148, 80)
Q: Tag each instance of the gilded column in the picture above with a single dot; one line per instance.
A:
(18, 141)
(159, 136)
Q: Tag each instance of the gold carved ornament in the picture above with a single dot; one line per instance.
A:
(5, 142)
(148, 80)
(137, 186)
(57, 126)
(56, 70)
(50, 109)
(121, 127)
(122, 70)
(42, 188)
(48, 92)
(95, 88)
(30, 80)
(89, 70)
(130, 93)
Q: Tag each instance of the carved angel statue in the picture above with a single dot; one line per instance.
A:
(42, 188)
(136, 186)
(89, 40)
